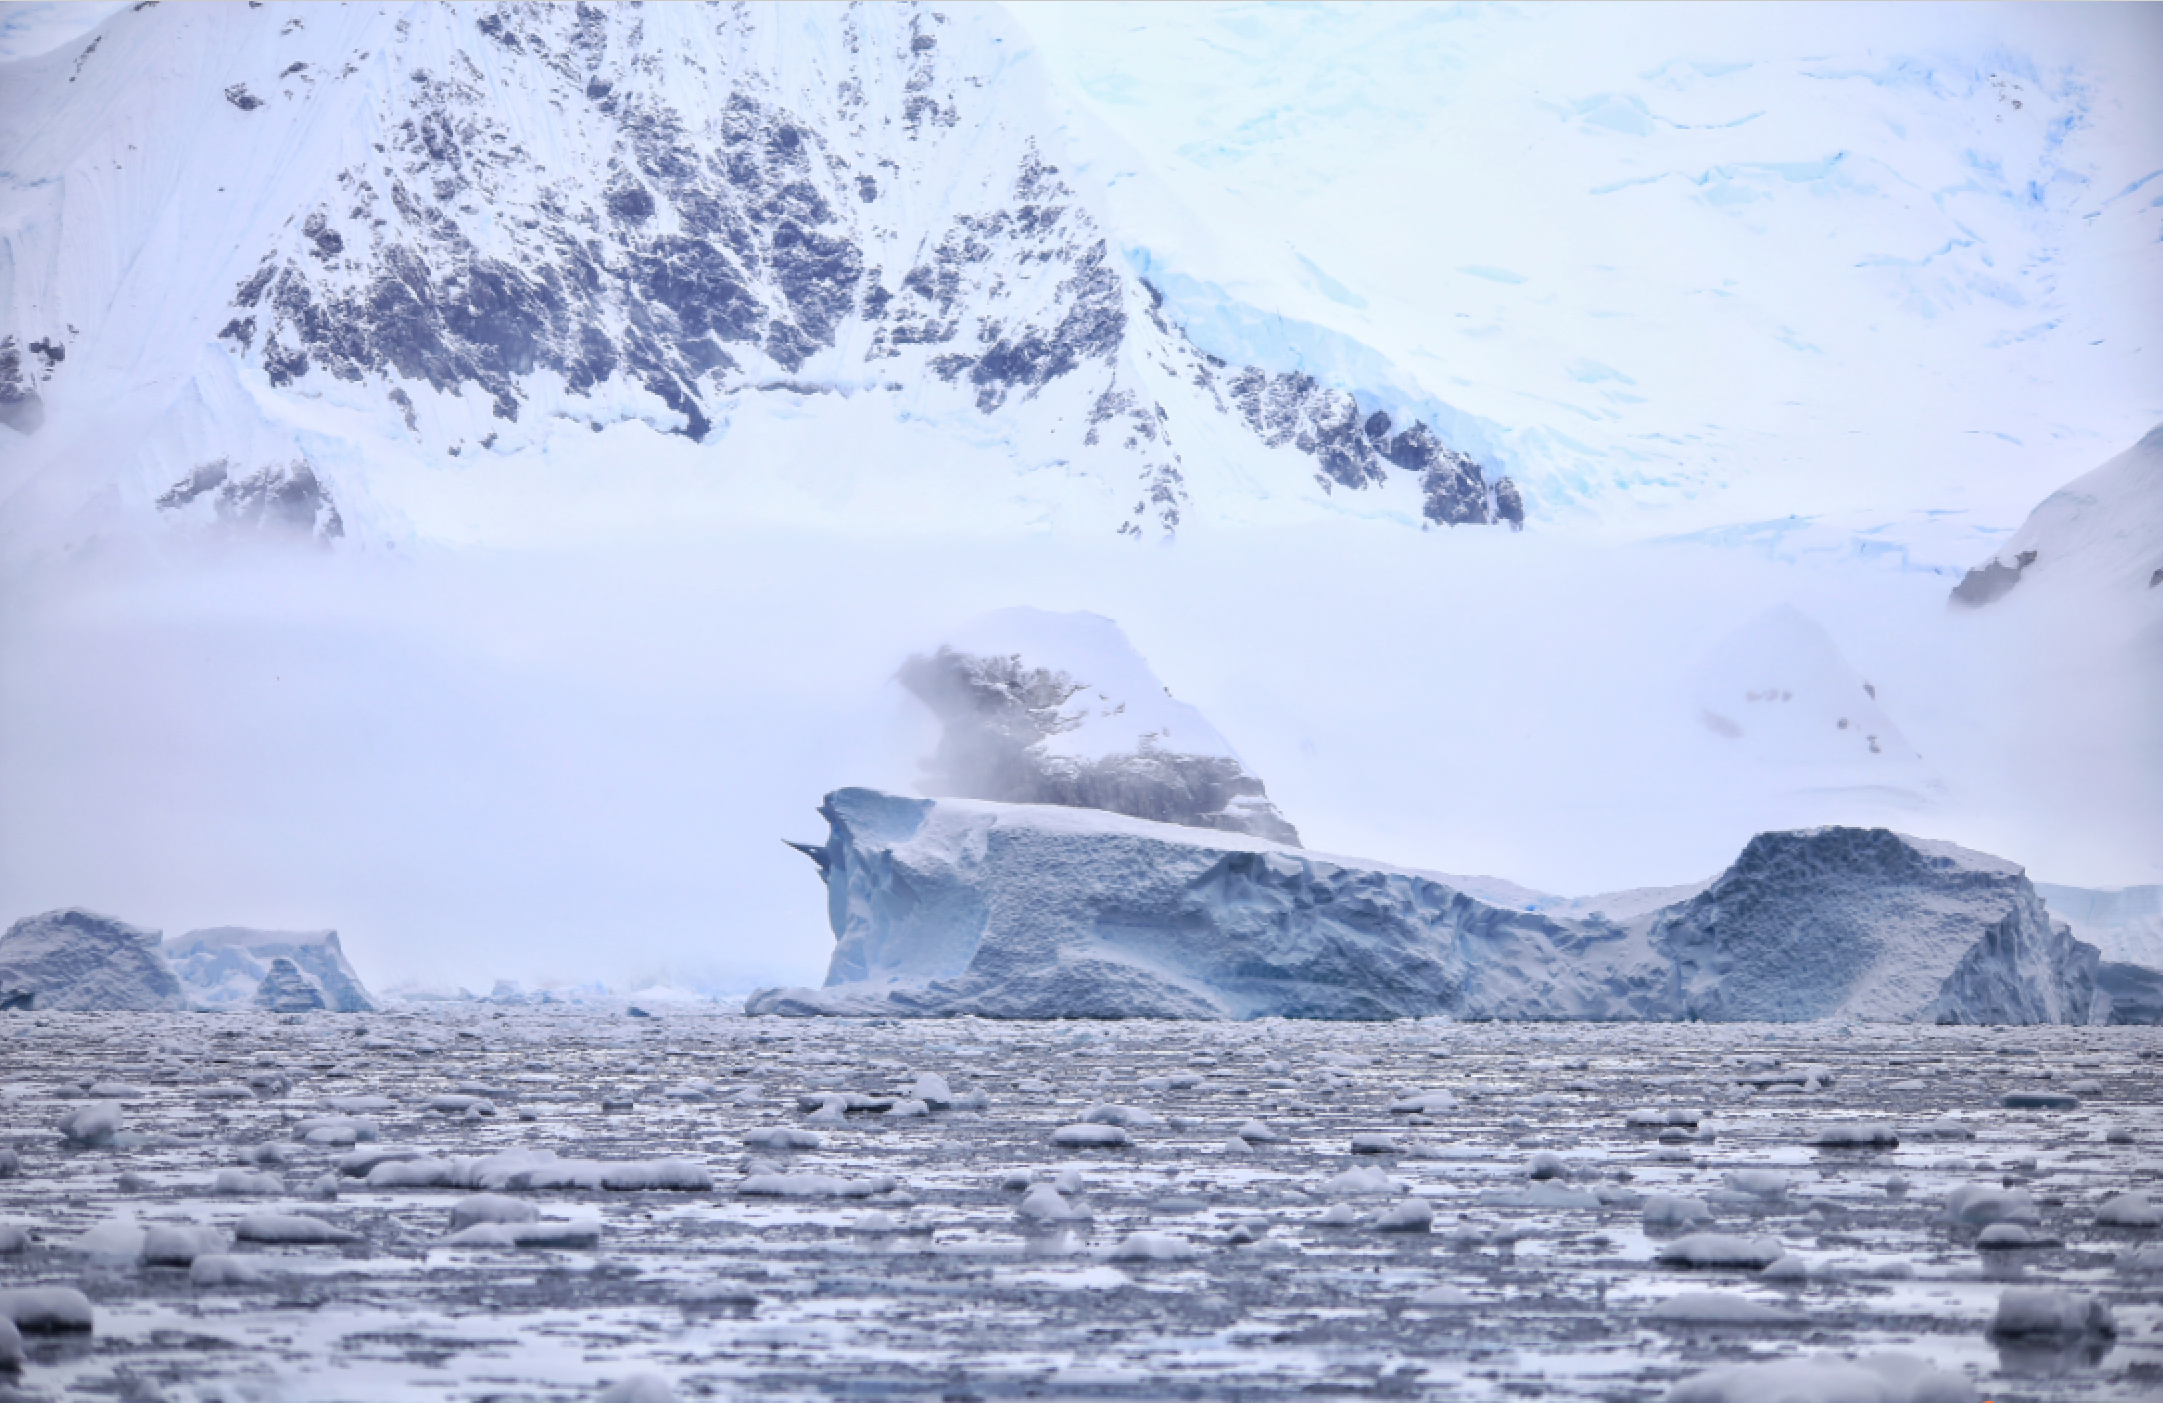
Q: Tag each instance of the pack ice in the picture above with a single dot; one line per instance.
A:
(952, 906)
(230, 967)
(79, 960)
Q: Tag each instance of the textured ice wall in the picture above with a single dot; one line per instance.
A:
(225, 966)
(77, 959)
(956, 906)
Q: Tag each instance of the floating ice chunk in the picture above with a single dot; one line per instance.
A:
(1946, 1129)
(1717, 1308)
(1046, 1203)
(1154, 1247)
(1547, 1165)
(1656, 1117)
(1131, 1116)
(1826, 1378)
(812, 1186)
(115, 1240)
(577, 1232)
(2002, 1236)
(908, 1108)
(1896, 1186)
(491, 1208)
(458, 1105)
(541, 1169)
(1440, 1297)
(178, 1244)
(45, 1310)
(1375, 1145)
(1407, 1215)
(1788, 1268)
(1768, 1184)
(782, 1137)
(335, 1130)
(115, 1091)
(1976, 1205)
(13, 1238)
(2130, 1210)
(1856, 1135)
(12, 1354)
(638, 1388)
(221, 1269)
(1338, 1215)
(11, 1164)
(1103, 1136)
(2031, 1311)
(1708, 1249)
(1254, 1132)
(2039, 1101)
(290, 1227)
(1424, 1103)
(1365, 1179)
(2142, 1260)
(1669, 1211)
(412, 1174)
(94, 1124)
(843, 1100)
(1544, 1193)
(877, 1220)
(361, 1163)
(1068, 1180)
(240, 1181)
(932, 1090)
(357, 1105)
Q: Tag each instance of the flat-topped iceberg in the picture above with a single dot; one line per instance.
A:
(949, 906)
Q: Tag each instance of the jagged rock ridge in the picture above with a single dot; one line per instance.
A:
(527, 202)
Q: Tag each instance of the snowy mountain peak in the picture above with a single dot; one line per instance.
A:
(342, 249)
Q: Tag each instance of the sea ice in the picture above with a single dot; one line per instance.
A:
(291, 1228)
(1826, 1378)
(1721, 1250)
(45, 1310)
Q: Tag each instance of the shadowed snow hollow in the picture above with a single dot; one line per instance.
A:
(1043, 708)
(957, 906)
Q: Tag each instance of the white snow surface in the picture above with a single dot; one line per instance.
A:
(960, 906)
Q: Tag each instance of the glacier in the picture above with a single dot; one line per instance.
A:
(1038, 707)
(74, 959)
(948, 906)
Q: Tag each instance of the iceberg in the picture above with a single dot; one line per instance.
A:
(72, 959)
(955, 906)
(226, 967)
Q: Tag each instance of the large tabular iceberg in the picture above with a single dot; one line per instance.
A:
(77, 959)
(1025, 911)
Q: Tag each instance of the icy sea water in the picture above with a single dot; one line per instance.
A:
(1254, 1275)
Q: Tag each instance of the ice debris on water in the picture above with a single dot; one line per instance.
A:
(2030, 1311)
(1721, 1250)
(45, 1310)
(1826, 1378)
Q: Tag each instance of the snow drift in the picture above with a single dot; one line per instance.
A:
(226, 967)
(2100, 535)
(1024, 911)
(76, 959)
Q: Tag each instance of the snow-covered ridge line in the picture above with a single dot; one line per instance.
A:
(1021, 911)
(445, 226)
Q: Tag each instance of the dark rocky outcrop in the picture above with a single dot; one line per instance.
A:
(280, 501)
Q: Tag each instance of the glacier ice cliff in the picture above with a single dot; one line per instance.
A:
(225, 967)
(951, 906)
(1046, 708)
(72, 959)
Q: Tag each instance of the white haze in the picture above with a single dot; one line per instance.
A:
(578, 764)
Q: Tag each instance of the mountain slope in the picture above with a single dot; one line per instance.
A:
(287, 269)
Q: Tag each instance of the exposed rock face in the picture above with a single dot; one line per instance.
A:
(77, 960)
(226, 966)
(951, 907)
(651, 211)
(1043, 708)
(286, 500)
(1991, 580)
(286, 990)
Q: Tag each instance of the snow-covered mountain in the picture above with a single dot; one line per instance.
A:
(372, 272)
(2101, 534)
